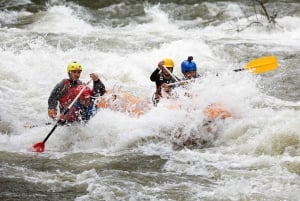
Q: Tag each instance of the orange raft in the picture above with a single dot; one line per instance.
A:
(216, 111)
(122, 101)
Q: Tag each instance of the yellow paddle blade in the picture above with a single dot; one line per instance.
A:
(262, 65)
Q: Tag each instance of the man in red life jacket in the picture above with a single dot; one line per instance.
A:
(65, 91)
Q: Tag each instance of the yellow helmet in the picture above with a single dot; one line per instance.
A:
(168, 62)
(74, 66)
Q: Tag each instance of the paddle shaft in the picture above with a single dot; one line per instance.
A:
(179, 83)
(259, 65)
(238, 70)
(173, 76)
(52, 130)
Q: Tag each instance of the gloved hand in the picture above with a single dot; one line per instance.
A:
(52, 113)
(160, 65)
(94, 77)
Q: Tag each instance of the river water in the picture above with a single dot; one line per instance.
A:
(255, 155)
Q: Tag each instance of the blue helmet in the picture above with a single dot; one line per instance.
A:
(188, 65)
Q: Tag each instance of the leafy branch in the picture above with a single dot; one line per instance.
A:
(270, 18)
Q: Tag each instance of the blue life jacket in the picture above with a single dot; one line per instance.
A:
(86, 112)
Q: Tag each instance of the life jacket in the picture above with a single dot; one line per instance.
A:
(70, 94)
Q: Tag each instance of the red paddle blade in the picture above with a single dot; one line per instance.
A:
(39, 147)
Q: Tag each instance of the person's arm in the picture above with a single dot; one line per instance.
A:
(54, 97)
(154, 75)
(98, 86)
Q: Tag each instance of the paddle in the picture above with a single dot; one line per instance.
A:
(27, 125)
(256, 66)
(261, 65)
(173, 76)
(40, 146)
(180, 82)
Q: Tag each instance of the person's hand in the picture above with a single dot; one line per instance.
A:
(160, 65)
(52, 113)
(165, 86)
(62, 118)
(94, 76)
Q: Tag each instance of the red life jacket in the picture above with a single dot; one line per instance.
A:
(70, 94)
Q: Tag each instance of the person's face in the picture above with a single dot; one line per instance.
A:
(165, 72)
(190, 74)
(75, 74)
(84, 101)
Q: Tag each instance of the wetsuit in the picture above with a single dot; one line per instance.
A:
(159, 79)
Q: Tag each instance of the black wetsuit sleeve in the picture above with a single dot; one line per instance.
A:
(56, 95)
(98, 88)
(154, 75)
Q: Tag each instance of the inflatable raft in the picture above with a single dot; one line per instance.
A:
(216, 111)
(122, 101)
